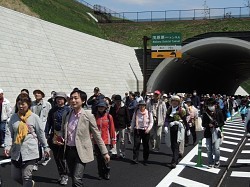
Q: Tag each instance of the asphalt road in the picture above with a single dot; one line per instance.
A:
(158, 172)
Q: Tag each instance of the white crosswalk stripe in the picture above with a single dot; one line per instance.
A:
(233, 133)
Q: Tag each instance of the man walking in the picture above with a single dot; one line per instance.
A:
(5, 113)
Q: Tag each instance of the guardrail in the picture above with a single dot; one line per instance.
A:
(173, 15)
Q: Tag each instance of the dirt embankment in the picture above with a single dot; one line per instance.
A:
(19, 6)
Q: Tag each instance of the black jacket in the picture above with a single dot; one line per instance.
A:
(217, 120)
(121, 116)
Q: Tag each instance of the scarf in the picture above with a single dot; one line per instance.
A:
(22, 129)
(145, 116)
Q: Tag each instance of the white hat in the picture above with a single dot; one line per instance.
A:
(180, 94)
(1, 90)
(165, 95)
(175, 98)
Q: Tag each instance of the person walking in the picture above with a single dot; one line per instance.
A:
(53, 131)
(121, 118)
(142, 123)
(94, 99)
(77, 127)
(22, 136)
(193, 115)
(158, 109)
(213, 121)
(5, 113)
(41, 108)
(106, 126)
(174, 122)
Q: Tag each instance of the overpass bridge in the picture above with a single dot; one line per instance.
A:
(216, 62)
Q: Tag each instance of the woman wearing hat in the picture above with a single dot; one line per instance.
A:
(142, 123)
(212, 121)
(53, 132)
(106, 126)
(175, 120)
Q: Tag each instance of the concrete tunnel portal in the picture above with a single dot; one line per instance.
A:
(210, 65)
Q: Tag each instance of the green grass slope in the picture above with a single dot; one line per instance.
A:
(131, 34)
(67, 13)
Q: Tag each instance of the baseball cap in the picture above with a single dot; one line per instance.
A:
(96, 89)
(157, 92)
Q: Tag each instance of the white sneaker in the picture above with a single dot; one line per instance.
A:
(64, 180)
(3, 145)
(248, 135)
(46, 161)
(35, 167)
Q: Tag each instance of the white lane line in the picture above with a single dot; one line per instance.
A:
(233, 127)
(188, 183)
(236, 130)
(243, 161)
(232, 138)
(203, 168)
(221, 157)
(247, 144)
(226, 149)
(235, 123)
(236, 134)
(5, 161)
(240, 174)
(173, 174)
(228, 142)
(245, 151)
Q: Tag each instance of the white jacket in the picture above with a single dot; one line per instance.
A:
(6, 110)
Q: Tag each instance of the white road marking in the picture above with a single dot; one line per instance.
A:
(236, 130)
(226, 149)
(243, 161)
(245, 151)
(228, 142)
(5, 161)
(236, 134)
(221, 157)
(232, 138)
(188, 183)
(233, 127)
(240, 174)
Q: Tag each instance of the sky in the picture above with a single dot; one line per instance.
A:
(162, 5)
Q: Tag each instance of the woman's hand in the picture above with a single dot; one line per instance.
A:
(106, 157)
(46, 154)
(7, 152)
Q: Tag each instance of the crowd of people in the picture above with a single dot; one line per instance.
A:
(74, 127)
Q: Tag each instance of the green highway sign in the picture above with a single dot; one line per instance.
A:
(166, 39)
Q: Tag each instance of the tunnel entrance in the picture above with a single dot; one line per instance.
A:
(209, 65)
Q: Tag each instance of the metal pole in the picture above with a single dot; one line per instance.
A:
(144, 70)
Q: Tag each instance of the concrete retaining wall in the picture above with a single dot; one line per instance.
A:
(35, 54)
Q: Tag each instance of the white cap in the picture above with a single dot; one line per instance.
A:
(1, 90)
(165, 95)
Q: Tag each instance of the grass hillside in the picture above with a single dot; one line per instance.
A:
(131, 33)
(67, 13)
(72, 14)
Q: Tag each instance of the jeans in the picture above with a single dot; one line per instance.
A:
(2, 131)
(213, 150)
(23, 174)
(75, 165)
(155, 137)
(120, 144)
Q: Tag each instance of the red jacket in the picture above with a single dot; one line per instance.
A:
(106, 126)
